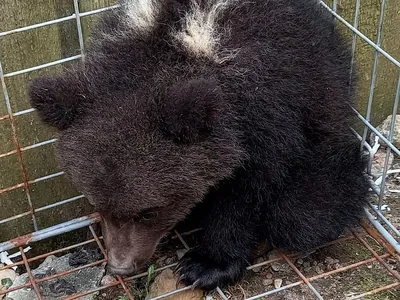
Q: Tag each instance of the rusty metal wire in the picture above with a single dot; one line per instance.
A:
(125, 284)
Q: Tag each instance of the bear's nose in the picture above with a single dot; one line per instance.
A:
(120, 264)
(118, 270)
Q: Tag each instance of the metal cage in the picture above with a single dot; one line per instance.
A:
(378, 235)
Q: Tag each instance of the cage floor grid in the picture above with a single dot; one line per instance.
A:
(359, 265)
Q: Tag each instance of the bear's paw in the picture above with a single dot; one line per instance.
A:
(202, 271)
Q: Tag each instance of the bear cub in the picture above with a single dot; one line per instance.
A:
(242, 106)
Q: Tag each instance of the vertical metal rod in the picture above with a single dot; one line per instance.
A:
(17, 146)
(79, 27)
(354, 42)
(387, 236)
(297, 271)
(30, 275)
(394, 273)
(374, 70)
(334, 8)
(221, 293)
(390, 138)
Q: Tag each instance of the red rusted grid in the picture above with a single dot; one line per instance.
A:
(24, 176)
(11, 115)
(303, 280)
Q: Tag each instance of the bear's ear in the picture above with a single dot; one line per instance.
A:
(189, 110)
(58, 100)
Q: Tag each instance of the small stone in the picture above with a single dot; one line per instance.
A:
(337, 266)
(278, 283)
(258, 261)
(166, 282)
(180, 253)
(208, 297)
(300, 261)
(275, 266)
(318, 270)
(306, 264)
(169, 260)
(268, 276)
(107, 280)
(7, 274)
(267, 282)
(7, 278)
(331, 261)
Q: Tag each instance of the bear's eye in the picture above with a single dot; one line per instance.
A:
(148, 215)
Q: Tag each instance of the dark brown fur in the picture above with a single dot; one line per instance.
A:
(148, 131)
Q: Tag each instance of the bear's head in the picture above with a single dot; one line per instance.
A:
(143, 156)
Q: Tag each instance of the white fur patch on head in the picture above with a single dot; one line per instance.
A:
(141, 14)
(200, 35)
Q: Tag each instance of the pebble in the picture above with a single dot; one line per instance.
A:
(170, 260)
(208, 297)
(300, 261)
(337, 266)
(107, 280)
(180, 253)
(7, 278)
(166, 282)
(331, 261)
(318, 270)
(268, 276)
(7, 274)
(275, 266)
(258, 261)
(267, 282)
(278, 283)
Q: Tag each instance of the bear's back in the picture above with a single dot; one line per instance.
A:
(282, 64)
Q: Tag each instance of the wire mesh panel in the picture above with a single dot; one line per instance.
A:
(38, 203)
